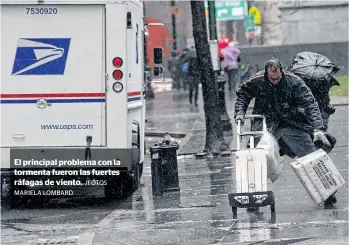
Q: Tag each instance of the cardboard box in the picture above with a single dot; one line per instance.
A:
(318, 175)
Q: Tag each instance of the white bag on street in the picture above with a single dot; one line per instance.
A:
(274, 161)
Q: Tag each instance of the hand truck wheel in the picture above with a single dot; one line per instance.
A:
(253, 210)
(235, 212)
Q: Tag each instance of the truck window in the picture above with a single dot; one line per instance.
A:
(158, 56)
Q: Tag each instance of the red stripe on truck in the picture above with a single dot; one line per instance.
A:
(52, 95)
(134, 93)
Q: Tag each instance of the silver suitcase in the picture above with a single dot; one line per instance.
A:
(251, 174)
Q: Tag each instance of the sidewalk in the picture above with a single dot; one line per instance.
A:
(339, 101)
(200, 213)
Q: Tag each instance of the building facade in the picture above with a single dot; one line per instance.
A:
(314, 22)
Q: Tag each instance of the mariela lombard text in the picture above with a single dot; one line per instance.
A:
(43, 192)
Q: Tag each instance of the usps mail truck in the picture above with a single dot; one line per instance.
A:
(72, 77)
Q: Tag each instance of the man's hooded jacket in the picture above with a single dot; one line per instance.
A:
(290, 102)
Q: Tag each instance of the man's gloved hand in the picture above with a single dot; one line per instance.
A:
(240, 117)
(330, 109)
(320, 137)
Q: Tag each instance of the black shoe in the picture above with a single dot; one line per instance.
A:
(334, 198)
(330, 201)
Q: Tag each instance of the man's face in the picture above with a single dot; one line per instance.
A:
(274, 76)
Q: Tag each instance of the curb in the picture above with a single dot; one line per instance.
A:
(341, 104)
(195, 153)
(186, 154)
(162, 134)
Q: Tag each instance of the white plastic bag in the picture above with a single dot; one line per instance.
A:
(274, 161)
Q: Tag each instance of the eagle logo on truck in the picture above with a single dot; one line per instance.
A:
(41, 56)
(41, 103)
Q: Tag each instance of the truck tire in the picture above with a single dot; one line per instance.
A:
(135, 178)
(114, 190)
(140, 170)
(141, 164)
(8, 199)
(124, 185)
(16, 202)
(137, 167)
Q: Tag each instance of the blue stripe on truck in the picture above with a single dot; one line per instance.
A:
(53, 101)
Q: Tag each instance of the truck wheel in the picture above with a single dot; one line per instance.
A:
(135, 178)
(16, 202)
(114, 189)
(140, 170)
(8, 199)
(110, 190)
(136, 171)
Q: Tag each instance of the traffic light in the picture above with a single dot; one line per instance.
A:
(175, 10)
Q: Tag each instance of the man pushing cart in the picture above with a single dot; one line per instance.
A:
(289, 111)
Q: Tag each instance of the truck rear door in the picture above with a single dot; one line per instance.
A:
(53, 75)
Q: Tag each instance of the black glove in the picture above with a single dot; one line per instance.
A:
(330, 109)
(321, 139)
(240, 117)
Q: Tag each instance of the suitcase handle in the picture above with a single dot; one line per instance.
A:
(252, 134)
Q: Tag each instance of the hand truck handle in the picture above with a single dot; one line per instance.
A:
(252, 134)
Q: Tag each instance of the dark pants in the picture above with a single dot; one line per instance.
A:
(298, 141)
(292, 141)
(184, 81)
(176, 81)
(193, 89)
(232, 78)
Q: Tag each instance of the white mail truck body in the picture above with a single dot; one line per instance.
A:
(72, 77)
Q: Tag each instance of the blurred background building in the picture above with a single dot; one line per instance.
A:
(161, 10)
(318, 26)
(282, 22)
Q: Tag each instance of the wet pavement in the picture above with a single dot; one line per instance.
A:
(199, 214)
(61, 220)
